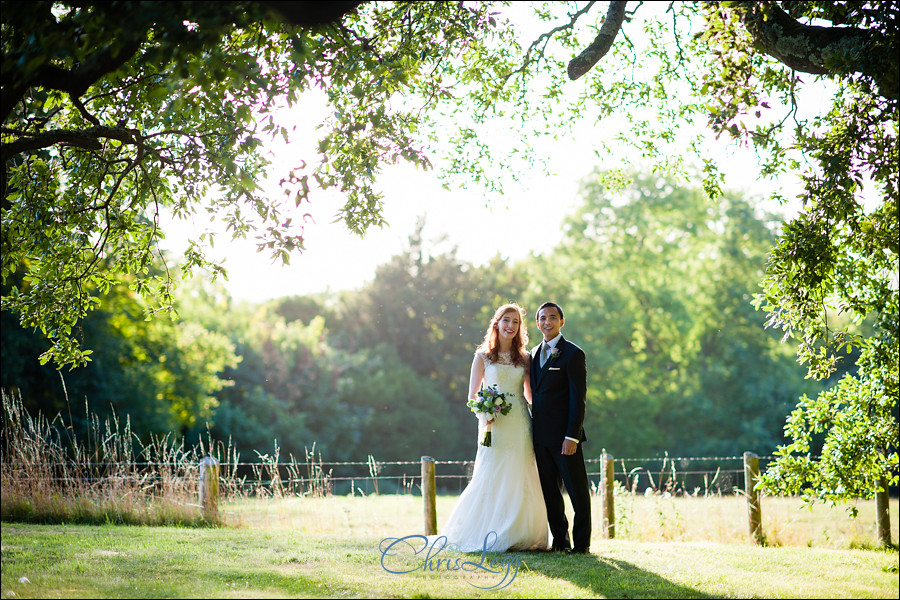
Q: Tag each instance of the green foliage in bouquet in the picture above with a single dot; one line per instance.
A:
(490, 402)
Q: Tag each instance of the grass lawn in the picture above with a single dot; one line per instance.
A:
(62, 561)
(330, 548)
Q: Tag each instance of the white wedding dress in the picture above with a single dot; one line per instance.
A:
(504, 495)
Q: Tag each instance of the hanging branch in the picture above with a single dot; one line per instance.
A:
(589, 57)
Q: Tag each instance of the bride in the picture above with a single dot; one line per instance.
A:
(504, 497)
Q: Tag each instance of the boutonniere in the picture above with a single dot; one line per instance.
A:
(554, 352)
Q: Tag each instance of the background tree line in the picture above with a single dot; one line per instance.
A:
(656, 280)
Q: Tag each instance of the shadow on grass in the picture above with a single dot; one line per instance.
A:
(608, 578)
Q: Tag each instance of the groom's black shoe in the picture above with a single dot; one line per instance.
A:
(559, 549)
(578, 551)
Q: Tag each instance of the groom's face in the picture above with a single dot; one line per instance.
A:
(549, 322)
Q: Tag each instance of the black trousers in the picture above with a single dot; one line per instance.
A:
(556, 471)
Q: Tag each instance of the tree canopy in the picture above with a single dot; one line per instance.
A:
(106, 120)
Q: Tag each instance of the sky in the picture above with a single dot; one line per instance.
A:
(336, 259)
(478, 225)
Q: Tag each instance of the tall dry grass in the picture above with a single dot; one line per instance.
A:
(49, 474)
(717, 510)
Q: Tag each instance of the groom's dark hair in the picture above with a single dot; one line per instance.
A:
(548, 304)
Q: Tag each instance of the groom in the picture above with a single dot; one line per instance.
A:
(558, 390)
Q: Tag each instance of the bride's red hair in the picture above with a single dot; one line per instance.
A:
(490, 347)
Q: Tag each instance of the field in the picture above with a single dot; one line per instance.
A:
(720, 519)
(673, 547)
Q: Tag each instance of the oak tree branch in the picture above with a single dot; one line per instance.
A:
(819, 50)
(589, 57)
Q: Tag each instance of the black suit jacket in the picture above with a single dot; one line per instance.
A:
(558, 393)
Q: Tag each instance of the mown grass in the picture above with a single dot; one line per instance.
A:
(113, 561)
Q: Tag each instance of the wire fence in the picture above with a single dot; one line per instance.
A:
(681, 475)
(687, 475)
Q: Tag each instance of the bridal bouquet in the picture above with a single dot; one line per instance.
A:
(490, 402)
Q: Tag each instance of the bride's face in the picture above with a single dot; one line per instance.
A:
(508, 325)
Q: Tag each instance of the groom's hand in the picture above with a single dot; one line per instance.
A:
(569, 447)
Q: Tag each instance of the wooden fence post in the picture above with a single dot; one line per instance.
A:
(607, 506)
(882, 512)
(754, 510)
(428, 495)
(209, 487)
